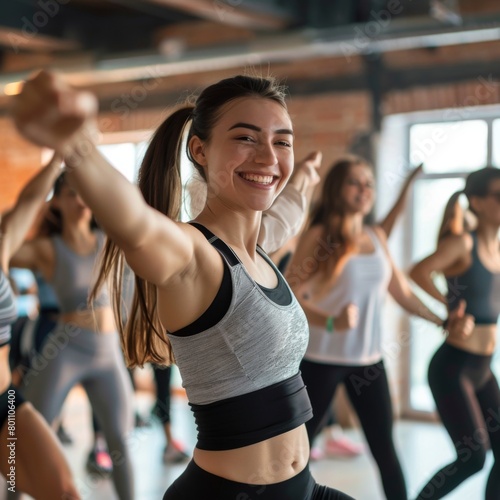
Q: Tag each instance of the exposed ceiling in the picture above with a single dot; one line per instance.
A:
(109, 41)
(109, 34)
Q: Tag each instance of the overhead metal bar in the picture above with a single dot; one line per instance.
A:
(233, 12)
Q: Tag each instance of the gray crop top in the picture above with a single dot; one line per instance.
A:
(257, 343)
(8, 311)
(479, 287)
(74, 276)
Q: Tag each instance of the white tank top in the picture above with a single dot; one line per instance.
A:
(363, 282)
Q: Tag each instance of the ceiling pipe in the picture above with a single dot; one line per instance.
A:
(347, 42)
(231, 12)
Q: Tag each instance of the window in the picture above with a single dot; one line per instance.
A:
(126, 157)
(446, 147)
(496, 143)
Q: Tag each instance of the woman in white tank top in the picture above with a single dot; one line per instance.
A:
(341, 273)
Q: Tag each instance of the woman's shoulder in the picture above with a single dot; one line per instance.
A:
(379, 232)
(459, 242)
(315, 230)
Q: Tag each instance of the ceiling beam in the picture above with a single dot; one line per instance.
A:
(304, 44)
(233, 12)
(388, 80)
(487, 74)
(21, 41)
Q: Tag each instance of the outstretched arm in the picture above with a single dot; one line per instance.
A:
(52, 114)
(286, 216)
(390, 219)
(17, 222)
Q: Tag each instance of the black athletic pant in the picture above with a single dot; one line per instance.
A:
(468, 401)
(368, 391)
(162, 406)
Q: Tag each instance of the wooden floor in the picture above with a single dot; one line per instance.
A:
(423, 448)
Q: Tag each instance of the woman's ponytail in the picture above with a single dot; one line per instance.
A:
(453, 218)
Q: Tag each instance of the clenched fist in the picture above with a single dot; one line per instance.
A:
(50, 113)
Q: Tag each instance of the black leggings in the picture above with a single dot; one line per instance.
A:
(162, 406)
(197, 483)
(468, 401)
(368, 391)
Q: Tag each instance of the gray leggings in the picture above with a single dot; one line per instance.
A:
(70, 356)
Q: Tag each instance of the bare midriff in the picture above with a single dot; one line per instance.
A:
(481, 341)
(271, 461)
(98, 320)
(5, 376)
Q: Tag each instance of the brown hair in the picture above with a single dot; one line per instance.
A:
(51, 221)
(143, 338)
(476, 184)
(329, 213)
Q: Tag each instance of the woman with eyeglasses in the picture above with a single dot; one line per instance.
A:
(463, 385)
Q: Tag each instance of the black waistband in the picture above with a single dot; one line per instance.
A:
(10, 399)
(253, 417)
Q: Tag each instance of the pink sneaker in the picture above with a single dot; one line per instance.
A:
(316, 453)
(342, 447)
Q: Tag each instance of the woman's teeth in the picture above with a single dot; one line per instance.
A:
(261, 179)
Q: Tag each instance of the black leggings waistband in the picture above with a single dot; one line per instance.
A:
(196, 483)
(10, 400)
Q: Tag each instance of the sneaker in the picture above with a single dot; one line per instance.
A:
(316, 454)
(99, 462)
(342, 447)
(63, 436)
(174, 453)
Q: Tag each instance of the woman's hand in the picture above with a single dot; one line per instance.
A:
(305, 173)
(50, 113)
(460, 325)
(348, 318)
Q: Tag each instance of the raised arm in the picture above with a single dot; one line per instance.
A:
(17, 222)
(451, 251)
(287, 215)
(306, 259)
(52, 114)
(387, 224)
(401, 291)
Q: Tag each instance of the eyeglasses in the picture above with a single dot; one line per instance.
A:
(494, 194)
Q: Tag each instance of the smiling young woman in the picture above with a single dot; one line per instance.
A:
(206, 293)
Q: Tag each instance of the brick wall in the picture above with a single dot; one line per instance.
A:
(18, 160)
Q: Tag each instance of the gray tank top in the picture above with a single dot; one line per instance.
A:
(8, 311)
(74, 276)
(363, 282)
(256, 344)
